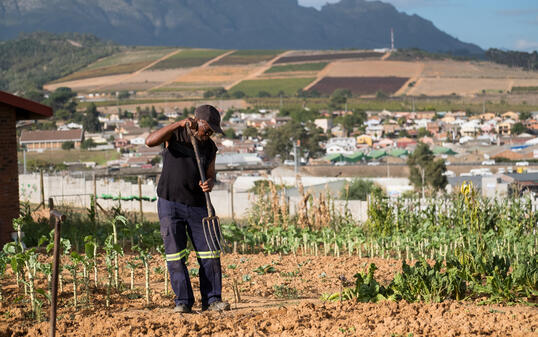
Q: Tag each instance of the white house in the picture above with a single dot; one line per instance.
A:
(344, 145)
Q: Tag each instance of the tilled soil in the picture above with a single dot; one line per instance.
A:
(284, 302)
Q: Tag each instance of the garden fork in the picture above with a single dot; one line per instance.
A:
(211, 223)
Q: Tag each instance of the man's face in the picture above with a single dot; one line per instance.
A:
(204, 130)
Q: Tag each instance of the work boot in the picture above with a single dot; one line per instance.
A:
(217, 306)
(182, 308)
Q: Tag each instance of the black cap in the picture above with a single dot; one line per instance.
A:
(209, 114)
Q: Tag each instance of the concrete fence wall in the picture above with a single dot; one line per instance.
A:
(76, 192)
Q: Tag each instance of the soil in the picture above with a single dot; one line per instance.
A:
(285, 302)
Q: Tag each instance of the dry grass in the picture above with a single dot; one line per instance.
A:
(460, 86)
(374, 68)
(218, 75)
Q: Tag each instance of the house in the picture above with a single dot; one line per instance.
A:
(12, 110)
(344, 145)
(324, 124)
(50, 139)
(433, 128)
(405, 142)
(384, 143)
(375, 131)
(487, 116)
(364, 139)
(424, 114)
(510, 115)
(505, 128)
(471, 128)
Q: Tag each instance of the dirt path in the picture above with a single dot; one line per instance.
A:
(138, 71)
(320, 75)
(258, 71)
(205, 65)
(416, 78)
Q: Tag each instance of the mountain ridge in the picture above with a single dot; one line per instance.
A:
(233, 24)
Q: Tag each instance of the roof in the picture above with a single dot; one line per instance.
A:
(524, 177)
(51, 135)
(443, 150)
(24, 108)
(354, 157)
(376, 154)
(398, 153)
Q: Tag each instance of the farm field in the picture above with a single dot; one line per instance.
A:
(121, 63)
(377, 68)
(88, 84)
(360, 85)
(146, 79)
(272, 86)
(326, 56)
(244, 57)
(460, 86)
(214, 76)
(473, 69)
(188, 58)
(297, 67)
(285, 301)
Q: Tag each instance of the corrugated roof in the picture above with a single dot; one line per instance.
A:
(50, 136)
(24, 108)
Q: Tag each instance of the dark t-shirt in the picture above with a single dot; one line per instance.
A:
(180, 176)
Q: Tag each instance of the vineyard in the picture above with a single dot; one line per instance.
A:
(360, 85)
(456, 265)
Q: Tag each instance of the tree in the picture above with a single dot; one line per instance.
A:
(238, 94)
(229, 133)
(518, 128)
(524, 115)
(87, 143)
(339, 98)
(422, 132)
(91, 119)
(250, 132)
(263, 93)
(62, 99)
(146, 121)
(359, 190)
(424, 170)
(281, 140)
(68, 145)
(349, 122)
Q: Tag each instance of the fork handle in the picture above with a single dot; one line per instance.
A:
(194, 142)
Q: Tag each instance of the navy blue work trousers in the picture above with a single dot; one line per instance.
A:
(177, 220)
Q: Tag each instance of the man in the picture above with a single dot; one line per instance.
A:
(182, 206)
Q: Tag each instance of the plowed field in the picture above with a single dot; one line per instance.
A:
(360, 85)
(282, 303)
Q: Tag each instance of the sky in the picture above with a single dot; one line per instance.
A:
(504, 24)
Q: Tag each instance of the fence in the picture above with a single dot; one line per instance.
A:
(77, 191)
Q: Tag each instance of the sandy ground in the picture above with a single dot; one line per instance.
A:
(262, 311)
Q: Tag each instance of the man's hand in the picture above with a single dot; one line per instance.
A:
(207, 186)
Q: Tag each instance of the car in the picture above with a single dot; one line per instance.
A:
(340, 163)
(373, 163)
(488, 162)
(522, 163)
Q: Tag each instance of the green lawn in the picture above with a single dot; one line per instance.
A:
(241, 57)
(188, 58)
(273, 86)
(297, 67)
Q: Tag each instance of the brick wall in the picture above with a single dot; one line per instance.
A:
(9, 178)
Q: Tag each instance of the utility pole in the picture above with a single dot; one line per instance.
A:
(24, 158)
(422, 173)
(296, 157)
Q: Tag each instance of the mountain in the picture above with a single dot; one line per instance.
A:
(237, 24)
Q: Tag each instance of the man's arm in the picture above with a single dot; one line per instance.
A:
(163, 134)
(210, 178)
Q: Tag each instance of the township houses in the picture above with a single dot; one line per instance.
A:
(12, 109)
(50, 139)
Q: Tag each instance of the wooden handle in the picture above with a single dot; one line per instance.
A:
(200, 169)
